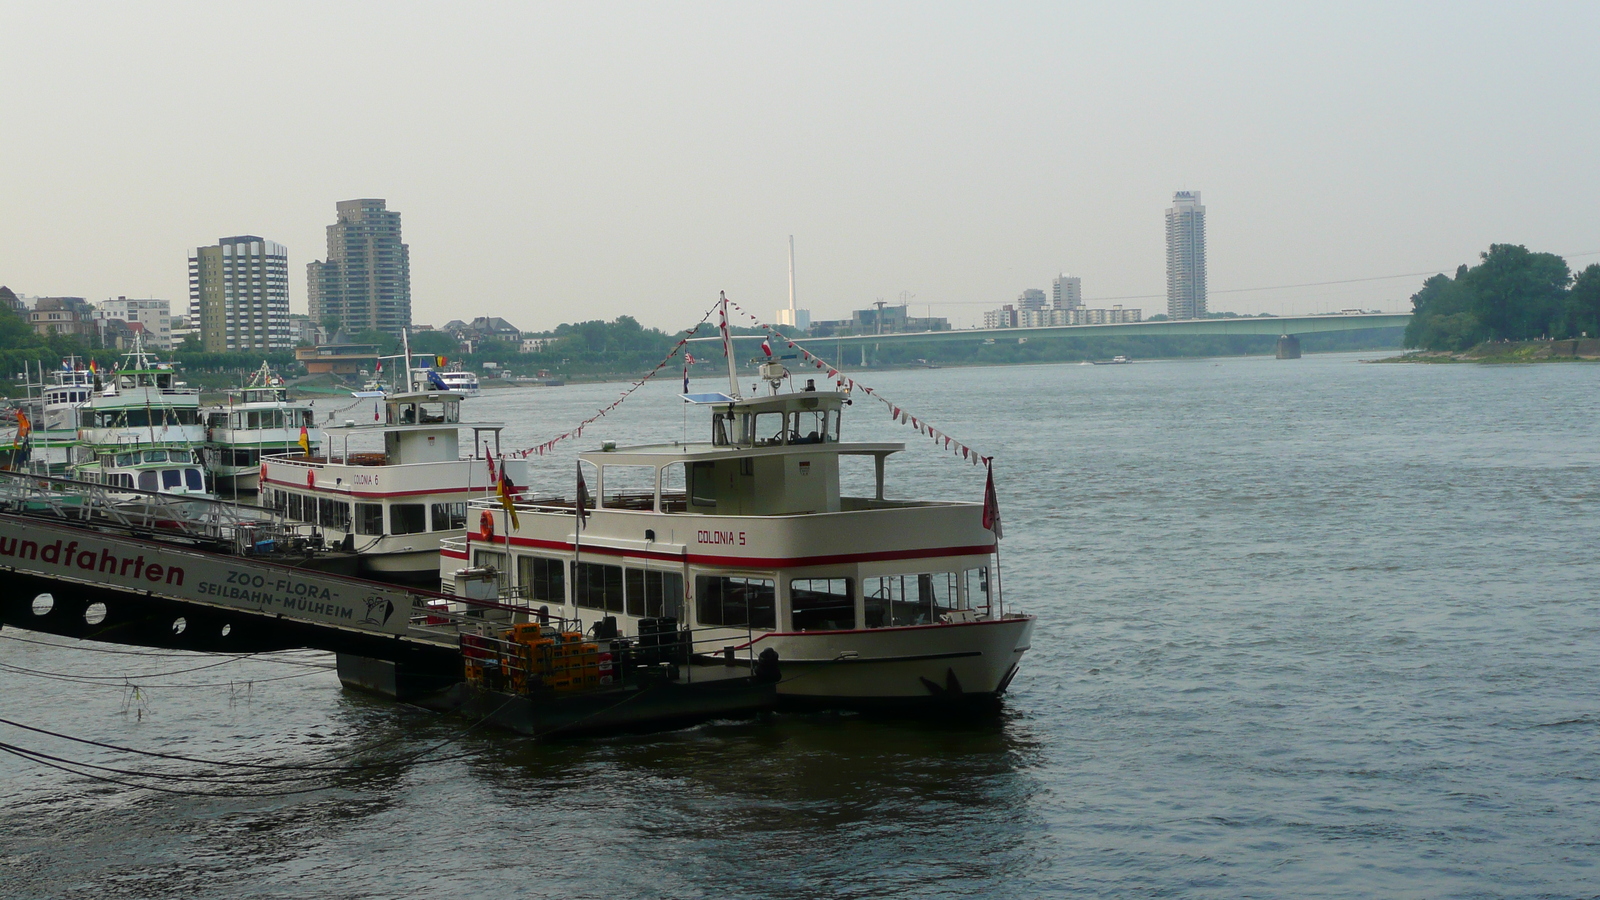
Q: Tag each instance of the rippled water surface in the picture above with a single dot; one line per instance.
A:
(1307, 628)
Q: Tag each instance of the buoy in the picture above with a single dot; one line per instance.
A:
(486, 524)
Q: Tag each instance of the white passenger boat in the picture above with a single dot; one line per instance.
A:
(51, 407)
(258, 420)
(142, 430)
(746, 541)
(391, 489)
(428, 377)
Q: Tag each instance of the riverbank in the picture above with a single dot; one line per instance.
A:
(1576, 350)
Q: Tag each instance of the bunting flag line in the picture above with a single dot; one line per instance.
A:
(547, 446)
(896, 413)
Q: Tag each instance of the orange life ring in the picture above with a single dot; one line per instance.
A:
(486, 524)
(311, 479)
(263, 471)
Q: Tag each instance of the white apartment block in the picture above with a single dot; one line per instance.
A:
(1066, 292)
(154, 315)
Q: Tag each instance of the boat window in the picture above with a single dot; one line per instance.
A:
(977, 588)
(822, 604)
(628, 487)
(308, 418)
(719, 428)
(171, 478)
(155, 456)
(542, 578)
(492, 559)
(369, 518)
(149, 481)
(408, 518)
(908, 599)
(431, 412)
(333, 513)
(408, 413)
(294, 507)
(675, 488)
(450, 516)
(736, 602)
(126, 480)
(127, 459)
(769, 429)
(193, 480)
(702, 484)
(653, 593)
(597, 586)
(814, 426)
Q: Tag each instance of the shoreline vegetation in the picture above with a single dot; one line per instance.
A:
(1507, 352)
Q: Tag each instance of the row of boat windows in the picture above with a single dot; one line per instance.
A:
(152, 456)
(747, 602)
(154, 480)
(138, 417)
(368, 518)
(263, 418)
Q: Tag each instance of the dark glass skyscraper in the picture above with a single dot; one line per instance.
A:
(365, 282)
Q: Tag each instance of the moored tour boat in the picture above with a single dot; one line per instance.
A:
(746, 543)
(393, 488)
(142, 430)
(258, 420)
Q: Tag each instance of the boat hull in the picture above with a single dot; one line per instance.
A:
(965, 664)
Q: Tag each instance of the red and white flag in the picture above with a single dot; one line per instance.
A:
(766, 348)
(991, 507)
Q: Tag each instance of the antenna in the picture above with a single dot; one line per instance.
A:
(727, 348)
(792, 319)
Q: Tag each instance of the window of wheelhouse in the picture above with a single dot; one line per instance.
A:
(918, 599)
(822, 604)
(736, 601)
(814, 426)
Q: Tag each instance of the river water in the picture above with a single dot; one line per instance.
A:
(1308, 628)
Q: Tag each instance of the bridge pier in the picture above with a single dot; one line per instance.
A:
(1288, 346)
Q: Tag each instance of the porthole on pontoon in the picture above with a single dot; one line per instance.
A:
(179, 624)
(95, 614)
(43, 603)
(227, 630)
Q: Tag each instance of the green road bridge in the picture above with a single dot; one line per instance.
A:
(1286, 328)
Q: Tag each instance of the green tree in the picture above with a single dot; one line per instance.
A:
(1512, 294)
(1583, 303)
(438, 343)
(386, 342)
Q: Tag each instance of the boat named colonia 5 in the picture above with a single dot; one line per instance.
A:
(746, 542)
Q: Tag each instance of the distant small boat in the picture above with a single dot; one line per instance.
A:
(1113, 361)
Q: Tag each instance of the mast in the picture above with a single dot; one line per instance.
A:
(727, 347)
(405, 343)
(792, 320)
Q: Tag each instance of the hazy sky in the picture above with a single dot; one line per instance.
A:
(562, 162)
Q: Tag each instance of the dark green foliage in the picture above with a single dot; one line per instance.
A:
(1512, 294)
(1583, 303)
(438, 343)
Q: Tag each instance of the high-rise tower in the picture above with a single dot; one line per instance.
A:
(366, 281)
(1066, 292)
(239, 295)
(1186, 257)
